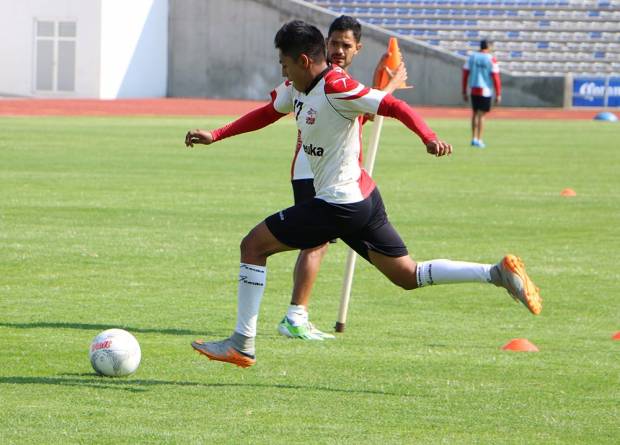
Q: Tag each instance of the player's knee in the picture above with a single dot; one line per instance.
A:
(406, 277)
(315, 253)
(245, 245)
(249, 247)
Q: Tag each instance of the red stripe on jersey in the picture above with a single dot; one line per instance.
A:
(337, 81)
(297, 148)
(360, 159)
(476, 91)
(366, 184)
(356, 96)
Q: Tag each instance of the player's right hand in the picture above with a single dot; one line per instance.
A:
(397, 77)
(198, 137)
(439, 148)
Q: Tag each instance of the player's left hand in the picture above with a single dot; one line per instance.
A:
(439, 148)
(198, 137)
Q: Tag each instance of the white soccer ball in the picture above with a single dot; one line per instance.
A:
(115, 352)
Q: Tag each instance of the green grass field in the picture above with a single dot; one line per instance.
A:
(111, 222)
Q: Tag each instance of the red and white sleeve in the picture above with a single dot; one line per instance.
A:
(260, 117)
(392, 107)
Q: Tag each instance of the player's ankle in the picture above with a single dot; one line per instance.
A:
(244, 344)
(297, 314)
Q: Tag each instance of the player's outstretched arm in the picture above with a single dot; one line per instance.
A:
(392, 107)
(252, 121)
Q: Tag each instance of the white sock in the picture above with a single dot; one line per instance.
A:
(297, 315)
(252, 281)
(448, 271)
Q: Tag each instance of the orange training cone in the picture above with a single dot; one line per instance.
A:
(392, 61)
(568, 192)
(616, 336)
(520, 344)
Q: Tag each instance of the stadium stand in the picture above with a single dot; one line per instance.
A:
(532, 37)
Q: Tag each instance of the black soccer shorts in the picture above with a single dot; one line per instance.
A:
(303, 190)
(363, 226)
(481, 103)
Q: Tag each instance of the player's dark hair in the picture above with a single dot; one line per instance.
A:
(298, 37)
(485, 44)
(346, 23)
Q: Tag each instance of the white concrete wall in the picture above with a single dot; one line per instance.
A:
(121, 47)
(17, 45)
(134, 48)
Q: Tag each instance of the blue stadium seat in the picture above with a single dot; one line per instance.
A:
(534, 36)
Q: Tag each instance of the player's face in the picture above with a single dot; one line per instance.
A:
(294, 70)
(342, 47)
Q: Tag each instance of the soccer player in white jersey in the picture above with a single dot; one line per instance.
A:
(481, 76)
(326, 103)
(343, 44)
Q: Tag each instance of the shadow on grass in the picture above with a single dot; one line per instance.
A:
(101, 327)
(141, 385)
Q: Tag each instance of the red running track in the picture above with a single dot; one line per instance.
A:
(218, 107)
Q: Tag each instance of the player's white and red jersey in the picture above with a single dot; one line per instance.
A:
(328, 116)
(481, 74)
(330, 132)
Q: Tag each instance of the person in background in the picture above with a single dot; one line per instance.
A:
(481, 77)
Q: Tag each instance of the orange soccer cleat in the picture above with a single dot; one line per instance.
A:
(223, 351)
(518, 284)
